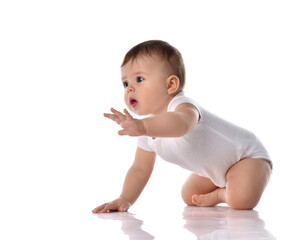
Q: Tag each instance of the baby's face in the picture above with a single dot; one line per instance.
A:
(145, 82)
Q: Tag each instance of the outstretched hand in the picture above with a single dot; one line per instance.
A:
(130, 125)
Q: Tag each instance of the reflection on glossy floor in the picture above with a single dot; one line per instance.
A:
(195, 223)
(225, 223)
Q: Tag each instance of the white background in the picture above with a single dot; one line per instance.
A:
(60, 70)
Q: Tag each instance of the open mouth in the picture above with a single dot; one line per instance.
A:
(133, 102)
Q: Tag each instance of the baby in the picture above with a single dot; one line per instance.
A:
(229, 164)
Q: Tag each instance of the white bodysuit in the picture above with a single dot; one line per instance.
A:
(210, 149)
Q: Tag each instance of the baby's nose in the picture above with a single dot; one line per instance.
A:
(130, 89)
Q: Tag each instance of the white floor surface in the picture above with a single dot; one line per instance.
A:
(67, 219)
(189, 223)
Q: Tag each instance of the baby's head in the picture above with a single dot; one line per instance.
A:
(170, 56)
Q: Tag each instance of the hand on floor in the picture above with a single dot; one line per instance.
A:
(120, 205)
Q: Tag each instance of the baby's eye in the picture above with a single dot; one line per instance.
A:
(140, 79)
(125, 84)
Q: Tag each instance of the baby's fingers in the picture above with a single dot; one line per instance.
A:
(117, 113)
(123, 132)
(117, 116)
(112, 117)
(112, 206)
(99, 208)
(127, 114)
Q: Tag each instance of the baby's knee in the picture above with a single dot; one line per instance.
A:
(187, 197)
(242, 201)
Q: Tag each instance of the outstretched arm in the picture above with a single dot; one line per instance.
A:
(170, 124)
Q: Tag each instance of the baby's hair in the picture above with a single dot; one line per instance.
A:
(165, 51)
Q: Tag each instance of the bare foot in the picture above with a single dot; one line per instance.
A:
(207, 200)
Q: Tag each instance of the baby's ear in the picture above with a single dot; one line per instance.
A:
(172, 84)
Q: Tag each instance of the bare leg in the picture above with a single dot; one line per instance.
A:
(245, 183)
